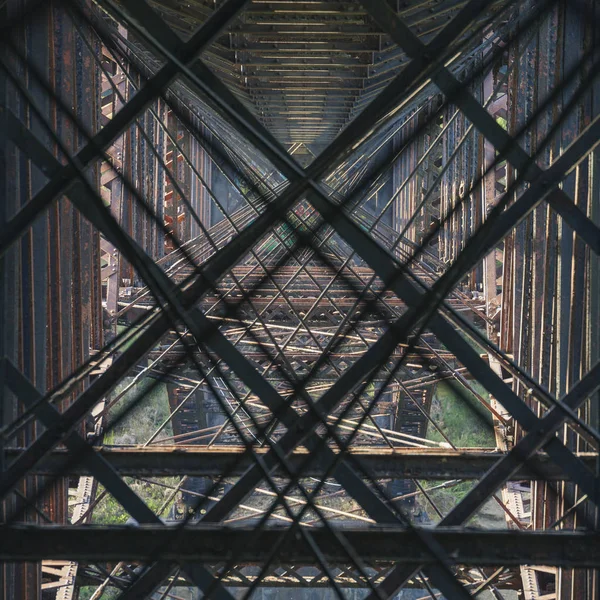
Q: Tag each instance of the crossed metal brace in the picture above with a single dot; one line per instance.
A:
(383, 264)
(302, 182)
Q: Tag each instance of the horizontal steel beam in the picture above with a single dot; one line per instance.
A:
(290, 578)
(210, 543)
(400, 463)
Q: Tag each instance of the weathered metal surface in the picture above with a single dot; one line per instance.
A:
(286, 328)
(49, 318)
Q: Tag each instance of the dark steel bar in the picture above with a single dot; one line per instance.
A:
(205, 543)
(381, 463)
(96, 464)
(99, 468)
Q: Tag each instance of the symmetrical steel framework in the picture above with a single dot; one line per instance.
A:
(254, 254)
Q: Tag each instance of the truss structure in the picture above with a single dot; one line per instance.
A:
(299, 295)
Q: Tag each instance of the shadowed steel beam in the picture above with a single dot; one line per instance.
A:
(381, 463)
(202, 543)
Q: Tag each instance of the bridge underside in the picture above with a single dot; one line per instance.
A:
(299, 296)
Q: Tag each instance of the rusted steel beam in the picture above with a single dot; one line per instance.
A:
(52, 317)
(381, 462)
(208, 543)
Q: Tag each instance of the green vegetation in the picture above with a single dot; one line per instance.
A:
(87, 591)
(502, 122)
(109, 511)
(138, 425)
(445, 498)
(466, 423)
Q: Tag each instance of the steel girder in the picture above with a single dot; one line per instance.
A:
(399, 463)
(206, 543)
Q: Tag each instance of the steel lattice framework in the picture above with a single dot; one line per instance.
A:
(245, 247)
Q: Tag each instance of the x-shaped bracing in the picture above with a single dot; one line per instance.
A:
(305, 181)
(543, 183)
